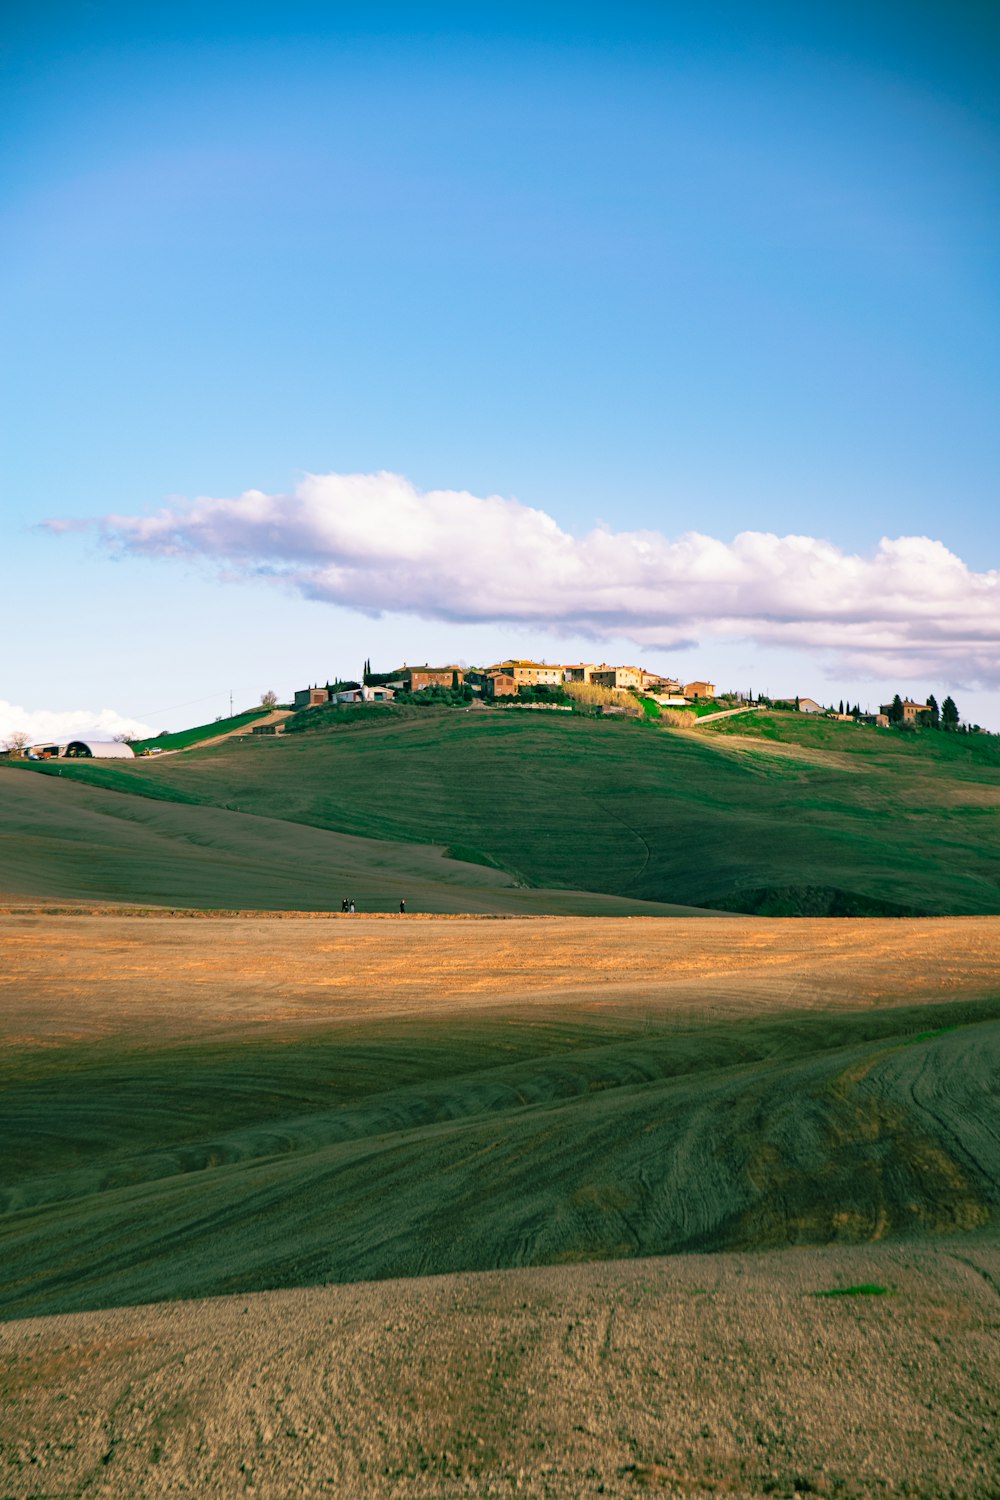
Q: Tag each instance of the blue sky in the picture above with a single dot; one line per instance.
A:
(659, 269)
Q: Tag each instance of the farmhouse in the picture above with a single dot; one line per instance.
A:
(617, 677)
(310, 697)
(579, 672)
(415, 679)
(499, 685)
(912, 712)
(699, 690)
(808, 706)
(653, 682)
(530, 673)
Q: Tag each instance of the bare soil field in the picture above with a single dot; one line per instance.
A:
(360, 1166)
(832, 1372)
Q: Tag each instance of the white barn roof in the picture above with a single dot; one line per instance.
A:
(99, 749)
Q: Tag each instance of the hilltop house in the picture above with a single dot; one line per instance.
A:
(913, 713)
(617, 677)
(415, 679)
(499, 685)
(698, 690)
(654, 683)
(311, 697)
(529, 673)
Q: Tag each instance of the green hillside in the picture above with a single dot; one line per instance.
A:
(415, 1147)
(184, 738)
(774, 814)
(63, 840)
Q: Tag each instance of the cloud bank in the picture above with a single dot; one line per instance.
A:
(375, 543)
(76, 723)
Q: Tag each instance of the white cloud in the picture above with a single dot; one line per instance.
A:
(375, 543)
(76, 723)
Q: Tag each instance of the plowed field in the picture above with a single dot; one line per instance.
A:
(197, 1106)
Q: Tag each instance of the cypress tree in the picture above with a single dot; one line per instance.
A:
(949, 714)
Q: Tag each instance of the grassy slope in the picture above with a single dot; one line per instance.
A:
(139, 1170)
(63, 838)
(778, 814)
(184, 738)
(963, 754)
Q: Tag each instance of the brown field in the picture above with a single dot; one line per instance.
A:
(694, 1376)
(211, 1120)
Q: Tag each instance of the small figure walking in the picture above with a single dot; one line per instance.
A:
(402, 908)
(345, 905)
(352, 907)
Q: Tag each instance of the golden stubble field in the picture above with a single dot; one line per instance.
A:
(489, 1132)
(81, 977)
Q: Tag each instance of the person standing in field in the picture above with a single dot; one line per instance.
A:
(402, 908)
(352, 907)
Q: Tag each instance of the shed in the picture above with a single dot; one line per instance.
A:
(98, 750)
(501, 685)
(366, 694)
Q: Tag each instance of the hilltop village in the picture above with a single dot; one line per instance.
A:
(516, 680)
(625, 691)
(595, 689)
